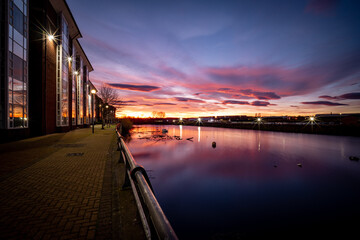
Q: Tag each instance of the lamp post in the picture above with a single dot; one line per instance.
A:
(107, 114)
(93, 91)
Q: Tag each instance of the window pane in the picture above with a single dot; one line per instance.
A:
(20, 4)
(18, 38)
(10, 83)
(10, 44)
(10, 31)
(18, 20)
(18, 50)
(18, 66)
(18, 86)
(10, 97)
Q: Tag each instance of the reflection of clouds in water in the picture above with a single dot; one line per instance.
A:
(237, 177)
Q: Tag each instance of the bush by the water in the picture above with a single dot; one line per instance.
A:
(126, 125)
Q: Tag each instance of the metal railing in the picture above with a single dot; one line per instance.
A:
(152, 217)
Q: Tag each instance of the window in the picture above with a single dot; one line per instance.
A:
(74, 78)
(62, 85)
(18, 20)
(17, 63)
(80, 92)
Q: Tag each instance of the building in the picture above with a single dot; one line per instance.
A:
(45, 85)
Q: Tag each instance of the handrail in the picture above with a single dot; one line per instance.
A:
(139, 176)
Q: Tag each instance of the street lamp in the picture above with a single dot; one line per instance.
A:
(93, 91)
(107, 114)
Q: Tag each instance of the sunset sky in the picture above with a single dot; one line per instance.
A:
(195, 58)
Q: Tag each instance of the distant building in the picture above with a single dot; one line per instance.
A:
(45, 85)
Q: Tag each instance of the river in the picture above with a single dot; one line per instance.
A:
(217, 183)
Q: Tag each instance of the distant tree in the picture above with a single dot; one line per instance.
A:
(161, 114)
(109, 97)
(156, 114)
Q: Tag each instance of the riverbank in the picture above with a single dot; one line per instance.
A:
(338, 130)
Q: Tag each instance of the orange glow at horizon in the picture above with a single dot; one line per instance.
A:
(121, 113)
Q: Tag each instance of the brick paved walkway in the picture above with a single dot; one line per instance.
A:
(61, 186)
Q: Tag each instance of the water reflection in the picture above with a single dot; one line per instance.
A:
(251, 183)
(180, 127)
(199, 133)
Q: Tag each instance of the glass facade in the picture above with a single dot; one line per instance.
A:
(80, 92)
(87, 95)
(18, 65)
(62, 84)
(73, 89)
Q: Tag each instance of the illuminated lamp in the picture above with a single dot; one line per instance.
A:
(50, 37)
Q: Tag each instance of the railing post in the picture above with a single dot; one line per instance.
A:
(126, 177)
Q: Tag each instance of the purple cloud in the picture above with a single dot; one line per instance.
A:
(255, 103)
(141, 88)
(235, 102)
(182, 99)
(165, 104)
(260, 95)
(327, 97)
(354, 95)
(249, 93)
(260, 103)
(326, 103)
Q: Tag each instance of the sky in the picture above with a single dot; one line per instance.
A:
(194, 58)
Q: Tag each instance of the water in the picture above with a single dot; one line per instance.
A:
(252, 184)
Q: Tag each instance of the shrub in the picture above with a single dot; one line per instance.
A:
(126, 125)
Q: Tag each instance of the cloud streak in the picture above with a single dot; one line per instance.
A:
(254, 103)
(354, 95)
(141, 88)
(325, 103)
(183, 99)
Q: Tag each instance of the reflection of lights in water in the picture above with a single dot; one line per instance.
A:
(199, 134)
(283, 144)
(258, 140)
(180, 131)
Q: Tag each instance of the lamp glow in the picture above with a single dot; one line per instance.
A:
(50, 37)
(312, 119)
(93, 91)
(259, 119)
(69, 59)
(76, 73)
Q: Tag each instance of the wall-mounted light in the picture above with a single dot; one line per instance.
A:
(93, 91)
(50, 37)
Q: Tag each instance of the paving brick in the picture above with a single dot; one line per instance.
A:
(51, 196)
